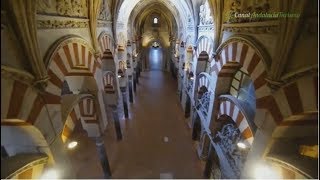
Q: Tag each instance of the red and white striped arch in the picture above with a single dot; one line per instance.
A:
(106, 43)
(204, 80)
(72, 57)
(297, 103)
(239, 51)
(85, 111)
(69, 57)
(205, 44)
(229, 108)
(293, 100)
(109, 82)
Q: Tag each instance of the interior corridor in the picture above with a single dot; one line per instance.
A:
(143, 152)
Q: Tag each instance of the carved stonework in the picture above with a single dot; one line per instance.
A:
(104, 23)
(253, 30)
(205, 14)
(190, 26)
(77, 8)
(234, 7)
(203, 103)
(104, 13)
(54, 24)
(229, 136)
(71, 8)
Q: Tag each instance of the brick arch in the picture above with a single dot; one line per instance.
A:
(297, 103)
(204, 44)
(69, 56)
(84, 110)
(229, 108)
(203, 80)
(203, 56)
(106, 42)
(239, 52)
(109, 82)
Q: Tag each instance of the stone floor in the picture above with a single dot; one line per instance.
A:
(156, 138)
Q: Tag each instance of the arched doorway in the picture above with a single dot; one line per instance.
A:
(155, 56)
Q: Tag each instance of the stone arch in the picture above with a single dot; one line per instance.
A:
(230, 107)
(294, 152)
(239, 52)
(83, 109)
(202, 61)
(205, 44)
(106, 42)
(204, 100)
(70, 58)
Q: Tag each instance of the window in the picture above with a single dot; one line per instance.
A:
(241, 80)
(155, 20)
(242, 88)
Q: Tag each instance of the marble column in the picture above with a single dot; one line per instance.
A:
(135, 81)
(130, 89)
(117, 125)
(103, 158)
(124, 101)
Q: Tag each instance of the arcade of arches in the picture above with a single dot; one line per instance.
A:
(159, 89)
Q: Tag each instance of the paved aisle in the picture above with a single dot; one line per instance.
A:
(142, 153)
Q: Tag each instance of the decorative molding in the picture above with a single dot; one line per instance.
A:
(269, 27)
(17, 74)
(205, 14)
(69, 8)
(248, 7)
(104, 13)
(55, 24)
(63, 41)
(205, 28)
(259, 48)
(104, 23)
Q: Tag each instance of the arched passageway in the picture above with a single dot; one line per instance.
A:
(153, 136)
(156, 58)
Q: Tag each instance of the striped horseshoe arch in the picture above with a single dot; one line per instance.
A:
(205, 44)
(106, 43)
(296, 102)
(227, 107)
(109, 82)
(240, 51)
(70, 57)
(204, 80)
(85, 111)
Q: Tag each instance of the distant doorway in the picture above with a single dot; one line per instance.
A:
(155, 58)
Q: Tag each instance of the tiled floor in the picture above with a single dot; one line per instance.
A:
(143, 152)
